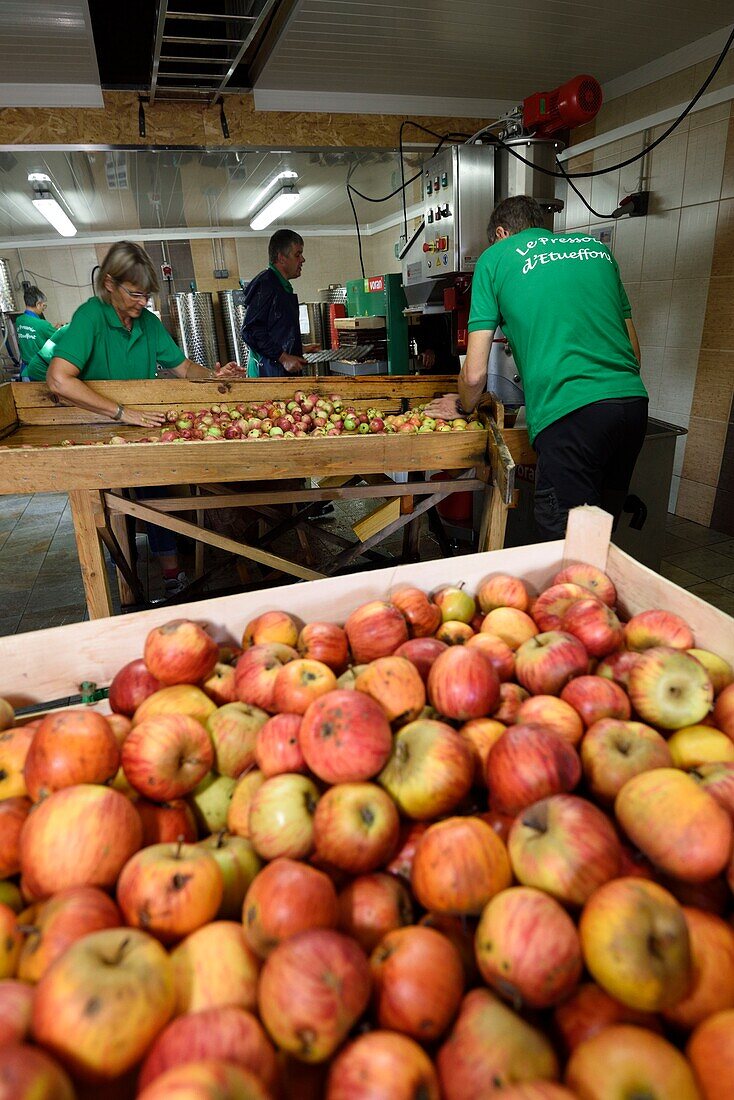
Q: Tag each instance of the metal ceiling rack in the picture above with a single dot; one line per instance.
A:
(198, 54)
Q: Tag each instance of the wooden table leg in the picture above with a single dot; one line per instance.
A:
(494, 521)
(86, 507)
(119, 527)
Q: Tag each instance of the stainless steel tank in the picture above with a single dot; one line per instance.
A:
(7, 298)
(193, 312)
(233, 315)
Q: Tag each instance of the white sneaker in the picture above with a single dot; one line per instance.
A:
(174, 585)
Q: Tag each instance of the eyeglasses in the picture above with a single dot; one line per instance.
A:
(136, 295)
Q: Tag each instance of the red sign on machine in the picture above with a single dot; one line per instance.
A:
(376, 283)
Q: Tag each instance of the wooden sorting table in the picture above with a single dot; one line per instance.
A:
(34, 423)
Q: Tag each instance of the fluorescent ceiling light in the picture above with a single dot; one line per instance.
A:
(281, 201)
(286, 174)
(47, 205)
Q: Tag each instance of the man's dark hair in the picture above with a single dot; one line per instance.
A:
(282, 241)
(515, 214)
(32, 295)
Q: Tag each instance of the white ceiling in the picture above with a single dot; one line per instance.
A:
(48, 55)
(496, 50)
(148, 190)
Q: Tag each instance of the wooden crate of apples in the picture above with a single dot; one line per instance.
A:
(464, 846)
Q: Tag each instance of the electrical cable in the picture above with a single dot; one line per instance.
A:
(48, 279)
(451, 136)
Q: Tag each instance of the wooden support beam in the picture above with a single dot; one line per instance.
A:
(377, 520)
(88, 516)
(184, 527)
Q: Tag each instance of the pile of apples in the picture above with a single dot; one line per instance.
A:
(461, 846)
(306, 415)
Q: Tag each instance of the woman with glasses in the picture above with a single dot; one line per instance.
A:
(113, 337)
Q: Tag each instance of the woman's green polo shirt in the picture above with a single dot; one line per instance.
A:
(99, 345)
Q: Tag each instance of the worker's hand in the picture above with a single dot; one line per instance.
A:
(229, 370)
(428, 359)
(444, 408)
(144, 419)
(293, 364)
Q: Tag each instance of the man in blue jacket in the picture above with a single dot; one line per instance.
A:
(271, 330)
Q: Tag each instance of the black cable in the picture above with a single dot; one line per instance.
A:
(48, 279)
(637, 156)
(356, 219)
(442, 137)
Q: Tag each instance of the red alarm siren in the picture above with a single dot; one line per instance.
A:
(570, 105)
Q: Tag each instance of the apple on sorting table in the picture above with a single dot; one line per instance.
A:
(224, 1033)
(313, 989)
(215, 966)
(552, 604)
(460, 863)
(502, 590)
(233, 729)
(345, 737)
(14, 745)
(490, 1042)
(127, 978)
(27, 1072)
(79, 836)
(545, 663)
(299, 683)
(13, 812)
(651, 629)
(356, 827)
(463, 684)
(613, 751)
(654, 971)
(429, 771)
(394, 683)
(280, 819)
(455, 604)
(16, 1006)
(325, 642)
(170, 890)
(370, 906)
(180, 652)
(178, 699)
(418, 981)
(634, 1061)
(421, 614)
(285, 898)
(720, 671)
(70, 747)
(375, 629)
(553, 713)
(594, 624)
(527, 947)
(677, 824)
(383, 1063)
(257, 670)
(723, 712)
(595, 697)
(210, 800)
(511, 625)
(53, 925)
(272, 626)
(529, 763)
(588, 576)
(165, 756)
(565, 846)
(700, 744)
(130, 686)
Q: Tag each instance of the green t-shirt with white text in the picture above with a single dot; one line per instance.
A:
(561, 304)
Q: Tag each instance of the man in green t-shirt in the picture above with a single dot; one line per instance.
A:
(561, 304)
(32, 328)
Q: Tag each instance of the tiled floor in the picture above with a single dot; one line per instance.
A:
(41, 585)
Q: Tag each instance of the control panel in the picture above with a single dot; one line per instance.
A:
(458, 196)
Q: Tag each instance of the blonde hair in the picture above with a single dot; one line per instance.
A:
(126, 261)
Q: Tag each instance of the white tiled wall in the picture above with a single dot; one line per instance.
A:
(665, 258)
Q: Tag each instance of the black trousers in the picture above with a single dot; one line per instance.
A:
(587, 457)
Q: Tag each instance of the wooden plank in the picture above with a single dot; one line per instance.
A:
(519, 447)
(309, 496)
(95, 651)
(173, 392)
(46, 469)
(87, 514)
(119, 528)
(184, 527)
(377, 520)
(494, 520)
(502, 462)
(588, 535)
(8, 414)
